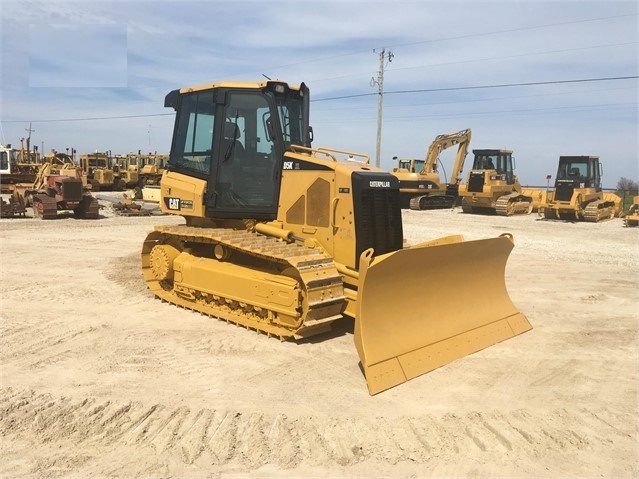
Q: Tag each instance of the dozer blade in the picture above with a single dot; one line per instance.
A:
(425, 306)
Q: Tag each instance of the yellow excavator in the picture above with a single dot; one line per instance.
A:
(420, 187)
(492, 186)
(285, 239)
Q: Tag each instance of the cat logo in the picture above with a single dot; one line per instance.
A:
(288, 165)
(379, 184)
(173, 203)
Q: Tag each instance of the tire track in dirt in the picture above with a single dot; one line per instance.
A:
(256, 439)
(45, 343)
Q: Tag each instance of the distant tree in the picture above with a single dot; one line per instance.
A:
(628, 186)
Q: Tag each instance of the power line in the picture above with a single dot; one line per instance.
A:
(506, 85)
(56, 120)
(519, 55)
(425, 90)
(475, 60)
(521, 29)
(481, 100)
(526, 111)
(479, 87)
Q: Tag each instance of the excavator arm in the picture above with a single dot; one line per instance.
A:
(443, 142)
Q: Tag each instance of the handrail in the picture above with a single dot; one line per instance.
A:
(329, 153)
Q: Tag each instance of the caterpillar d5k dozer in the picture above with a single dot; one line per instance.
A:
(578, 193)
(420, 187)
(285, 239)
(492, 186)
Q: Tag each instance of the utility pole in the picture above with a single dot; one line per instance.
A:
(380, 99)
(29, 138)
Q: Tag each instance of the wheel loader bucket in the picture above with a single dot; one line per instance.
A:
(422, 307)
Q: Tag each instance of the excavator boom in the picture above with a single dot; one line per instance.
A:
(443, 142)
(423, 189)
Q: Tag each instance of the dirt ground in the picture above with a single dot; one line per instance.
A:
(99, 379)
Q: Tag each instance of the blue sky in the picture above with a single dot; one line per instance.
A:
(93, 75)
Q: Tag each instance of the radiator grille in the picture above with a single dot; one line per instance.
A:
(378, 215)
(71, 190)
(476, 182)
(564, 190)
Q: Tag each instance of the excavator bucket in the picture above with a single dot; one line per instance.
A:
(424, 306)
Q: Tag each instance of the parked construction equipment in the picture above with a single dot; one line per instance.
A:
(14, 207)
(16, 166)
(578, 194)
(632, 217)
(492, 186)
(420, 186)
(99, 171)
(124, 205)
(126, 171)
(59, 188)
(285, 239)
(151, 168)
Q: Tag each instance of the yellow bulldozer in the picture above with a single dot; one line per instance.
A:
(420, 186)
(151, 168)
(578, 194)
(99, 171)
(492, 186)
(632, 217)
(126, 171)
(285, 239)
(17, 166)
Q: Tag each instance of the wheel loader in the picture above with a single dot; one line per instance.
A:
(632, 217)
(420, 186)
(285, 239)
(492, 186)
(578, 194)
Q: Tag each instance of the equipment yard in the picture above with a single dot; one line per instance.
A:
(100, 379)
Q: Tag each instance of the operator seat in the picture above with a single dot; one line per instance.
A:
(232, 153)
(231, 135)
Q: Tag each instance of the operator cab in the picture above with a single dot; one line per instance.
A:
(5, 161)
(501, 161)
(233, 136)
(411, 165)
(580, 171)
